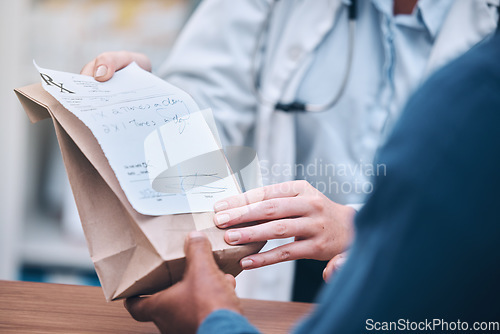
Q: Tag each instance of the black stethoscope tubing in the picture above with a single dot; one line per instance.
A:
(299, 106)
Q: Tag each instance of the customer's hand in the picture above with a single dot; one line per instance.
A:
(106, 64)
(322, 228)
(334, 265)
(183, 307)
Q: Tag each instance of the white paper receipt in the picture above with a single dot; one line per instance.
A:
(165, 153)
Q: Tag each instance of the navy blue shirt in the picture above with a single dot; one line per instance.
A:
(426, 254)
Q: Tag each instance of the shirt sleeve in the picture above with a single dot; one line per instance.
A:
(226, 322)
(426, 251)
(426, 256)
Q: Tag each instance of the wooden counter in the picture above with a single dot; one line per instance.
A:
(27, 307)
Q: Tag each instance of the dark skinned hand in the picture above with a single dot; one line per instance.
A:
(183, 307)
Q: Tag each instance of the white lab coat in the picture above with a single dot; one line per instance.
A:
(213, 60)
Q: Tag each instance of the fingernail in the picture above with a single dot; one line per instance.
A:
(219, 206)
(233, 236)
(101, 71)
(245, 263)
(222, 219)
(340, 262)
(196, 234)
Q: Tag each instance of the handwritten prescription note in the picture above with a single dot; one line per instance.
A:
(165, 153)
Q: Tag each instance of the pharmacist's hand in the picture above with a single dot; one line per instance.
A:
(106, 64)
(333, 265)
(183, 307)
(322, 228)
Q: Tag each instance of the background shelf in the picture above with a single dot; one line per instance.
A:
(40, 232)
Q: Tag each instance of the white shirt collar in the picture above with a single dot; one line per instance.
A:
(429, 13)
(433, 13)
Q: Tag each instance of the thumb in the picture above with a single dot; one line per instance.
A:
(139, 308)
(199, 255)
(333, 265)
(231, 280)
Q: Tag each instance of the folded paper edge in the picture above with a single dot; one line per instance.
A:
(35, 110)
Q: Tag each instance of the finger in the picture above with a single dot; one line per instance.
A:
(333, 265)
(271, 209)
(106, 64)
(292, 251)
(88, 69)
(103, 67)
(199, 256)
(140, 308)
(286, 189)
(327, 272)
(230, 278)
(276, 229)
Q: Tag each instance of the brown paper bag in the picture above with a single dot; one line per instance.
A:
(133, 254)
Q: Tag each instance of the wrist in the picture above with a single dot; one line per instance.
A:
(207, 311)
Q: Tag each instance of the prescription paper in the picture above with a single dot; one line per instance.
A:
(165, 153)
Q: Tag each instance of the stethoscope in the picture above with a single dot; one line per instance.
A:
(299, 106)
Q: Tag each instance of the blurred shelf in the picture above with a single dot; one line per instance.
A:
(44, 244)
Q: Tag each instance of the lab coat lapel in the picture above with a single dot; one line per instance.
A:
(468, 22)
(305, 28)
